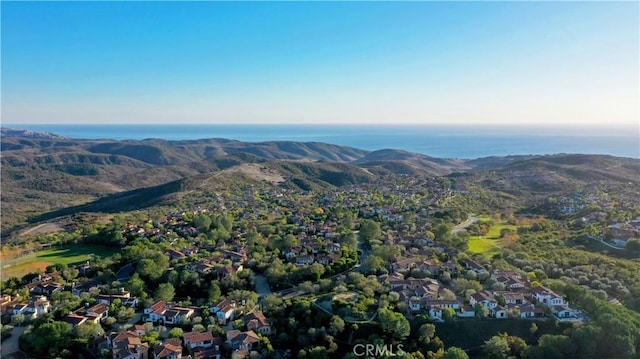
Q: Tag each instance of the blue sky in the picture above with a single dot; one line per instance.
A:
(330, 62)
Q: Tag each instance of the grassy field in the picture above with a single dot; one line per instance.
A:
(17, 266)
(491, 243)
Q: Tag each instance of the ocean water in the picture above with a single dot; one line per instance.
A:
(438, 141)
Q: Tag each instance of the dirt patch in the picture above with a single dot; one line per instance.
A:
(8, 253)
(21, 269)
(42, 229)
(257, 172)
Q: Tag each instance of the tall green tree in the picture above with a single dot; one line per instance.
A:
(336, 326)
(369, 231)
(50, 339)
(394, 324)
(165, 291)
(455, 353)
(496, 348)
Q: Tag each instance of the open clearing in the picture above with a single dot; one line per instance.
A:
(491, 243)
(18, 266)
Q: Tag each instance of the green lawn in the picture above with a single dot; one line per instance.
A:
(484, 245)
(491, 243)
(76, 254)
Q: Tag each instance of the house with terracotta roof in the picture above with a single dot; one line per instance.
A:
(257, 322)
(201, 267)
(198, 340)
(238, 340)
(167, 351)
(33, 309)
(485, 298)
(85, 287)
(548, 297)
(125, 298)
(173, 254)
(207, 353)
(47, 288)
(139, 329)
(224, 310)
(127, 345)
(167, 313)
(99, 310)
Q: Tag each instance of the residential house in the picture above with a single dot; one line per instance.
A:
(33, 309)
(511, 298)
(45, 288)
(200, 267)
(396, 284)
(127, 345)
(44, 278)
(548, 297)
(198, 340)
(224, 310)
(78, 289)
(208, 353)
(474, 266)
(257, 322)
(98, 312)
(167, 350)
(510, 279)
(499, 312)
(485, 298)
(167, 313)
(334, 247)
(75, 319)
(139, 329)
(238, 340)
(174, 254)
(125, 298)
(304, 260)
(564, 312)
(403, 264)
(236, 257)
(191, 251)
(466, 311)
(435, 312)
(327, 259)
(526, 310)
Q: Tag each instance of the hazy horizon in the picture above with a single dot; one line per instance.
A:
(421, 63)
(626, 130)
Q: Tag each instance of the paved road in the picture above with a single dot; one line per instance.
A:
(463, 226)
(10, 345)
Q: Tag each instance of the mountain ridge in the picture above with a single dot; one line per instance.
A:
(44, 174)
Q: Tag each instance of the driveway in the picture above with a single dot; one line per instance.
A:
(10, 345)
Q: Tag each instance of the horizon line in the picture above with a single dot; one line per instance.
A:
(381, 124)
